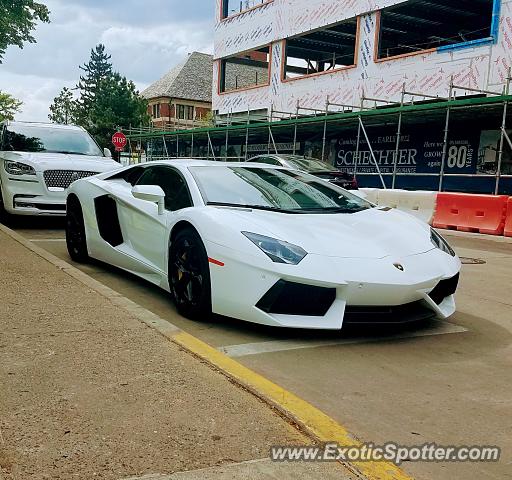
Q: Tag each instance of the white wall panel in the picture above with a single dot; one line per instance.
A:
(478, 67)
(285, 18)
(502, 54)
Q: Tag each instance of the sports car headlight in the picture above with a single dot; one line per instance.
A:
(277, 250)
(16, 168)
(439, 242)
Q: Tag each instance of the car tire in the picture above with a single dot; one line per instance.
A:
(76, 239)
(5, 217)
(189, 275)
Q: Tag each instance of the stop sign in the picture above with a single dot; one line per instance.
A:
(119, 140)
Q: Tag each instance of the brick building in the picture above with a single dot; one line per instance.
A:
(183, 97)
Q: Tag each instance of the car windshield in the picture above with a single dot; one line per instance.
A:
(273, 189)
(47, 139)
(308, 164)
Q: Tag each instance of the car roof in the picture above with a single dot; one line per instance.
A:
(46, 125)
(281, 155)
(265, 155)
(191, 162)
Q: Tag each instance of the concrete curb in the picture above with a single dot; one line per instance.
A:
(314, 423)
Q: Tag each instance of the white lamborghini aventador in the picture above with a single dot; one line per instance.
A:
(263, 244)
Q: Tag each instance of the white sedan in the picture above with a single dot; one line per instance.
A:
(263, 244)
(39, 161)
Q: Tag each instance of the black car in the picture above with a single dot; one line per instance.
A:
(310, 165)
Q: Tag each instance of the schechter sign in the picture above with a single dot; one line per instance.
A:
(418, 153)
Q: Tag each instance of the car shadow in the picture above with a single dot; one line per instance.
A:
(36, 223)
(352, 331)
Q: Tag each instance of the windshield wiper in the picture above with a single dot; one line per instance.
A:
(335, 210)
(302, 211)
(252, 207)
(65, 152)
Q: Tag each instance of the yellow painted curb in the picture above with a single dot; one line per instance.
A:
(317, 423)
(314, 422)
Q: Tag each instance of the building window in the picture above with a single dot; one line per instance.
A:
(416, 25)
(156, 110)
(185, 112)
(232, 7)
(247, 70)
(322, 51)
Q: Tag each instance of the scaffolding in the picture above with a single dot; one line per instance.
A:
(231, 137)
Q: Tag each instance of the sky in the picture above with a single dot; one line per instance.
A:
(146, 38)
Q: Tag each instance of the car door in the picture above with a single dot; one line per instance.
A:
(144, 230)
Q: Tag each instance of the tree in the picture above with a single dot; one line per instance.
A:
(9, 106)
(95, 71)
(208, 120)
(106, 100)
(17, 20)
(116, 103)
(63, 107)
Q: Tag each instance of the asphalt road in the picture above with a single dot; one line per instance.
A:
(448, 383)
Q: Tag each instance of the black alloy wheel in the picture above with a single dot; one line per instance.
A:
(189, 275)
(76, 239)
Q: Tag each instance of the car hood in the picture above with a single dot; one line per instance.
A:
(373, 233)
(61, 161)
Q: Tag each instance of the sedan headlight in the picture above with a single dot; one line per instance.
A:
(16, 168)
(277, 250)
(439, 242)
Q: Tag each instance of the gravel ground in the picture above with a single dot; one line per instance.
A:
(86, 391)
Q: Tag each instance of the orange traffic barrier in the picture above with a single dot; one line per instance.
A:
(508, 221)
(471, 213)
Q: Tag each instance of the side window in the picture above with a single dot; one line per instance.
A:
(133, 175)
(130, 176)
(177, 195)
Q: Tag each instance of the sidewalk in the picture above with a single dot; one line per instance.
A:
(87, 391)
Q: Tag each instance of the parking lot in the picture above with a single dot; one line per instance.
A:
(448, 383)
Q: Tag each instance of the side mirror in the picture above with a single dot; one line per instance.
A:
(151, 193)
(107, 153)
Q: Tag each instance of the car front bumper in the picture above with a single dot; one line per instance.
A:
(365, 290)
(29, 196)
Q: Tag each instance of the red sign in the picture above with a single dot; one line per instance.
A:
(119, 140)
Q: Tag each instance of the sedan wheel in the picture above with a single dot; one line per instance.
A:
(189, 275)
(75, 234)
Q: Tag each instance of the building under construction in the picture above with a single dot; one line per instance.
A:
(412, 95)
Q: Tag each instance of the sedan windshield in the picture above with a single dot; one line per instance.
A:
(273, 189)
(47, 139)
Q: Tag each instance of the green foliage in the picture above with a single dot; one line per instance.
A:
(95, 71)
(9, 106)
(63, 108)
(116, 103)
(106, 100)
(208, 120)
(17, 20)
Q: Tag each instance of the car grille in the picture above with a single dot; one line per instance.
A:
(410, 312)
(64, 178)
